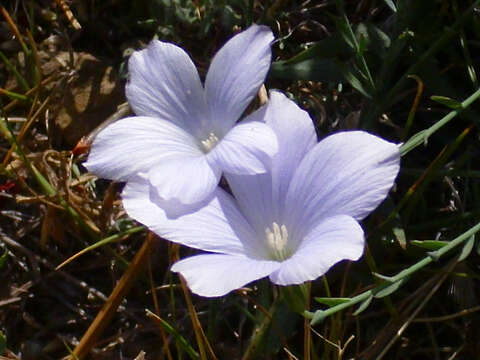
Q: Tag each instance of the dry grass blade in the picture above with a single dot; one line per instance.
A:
(410, 318)
(121, 289)
(166, 348)
(68, 14)
(14, 28)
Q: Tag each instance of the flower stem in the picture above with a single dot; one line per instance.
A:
(422, 136)
(320, 315)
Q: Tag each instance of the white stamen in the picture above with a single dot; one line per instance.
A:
(277, 241)
(210, 142)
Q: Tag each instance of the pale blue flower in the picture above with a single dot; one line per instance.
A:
(292, 223)
(184, 134)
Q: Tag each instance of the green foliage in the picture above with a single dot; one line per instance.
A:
(3, 343)
(406, 70)
(3, 258)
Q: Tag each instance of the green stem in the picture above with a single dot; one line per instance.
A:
(437, 45)
(422, 136)
(319, 315)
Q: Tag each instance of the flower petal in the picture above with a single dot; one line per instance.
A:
(163, 82)
(137, 144)
(187, 179)
(262, 198)
(216, 275)
(334, 239)
(296, 136)
(214, 225)
(236, 73)
(347, 173)
(246, 149)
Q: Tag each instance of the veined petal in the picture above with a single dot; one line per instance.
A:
(236, 73)
(213, 225)
(254, 198)
(216, 275)
(347, 173)
(332, 240)
(186, 178)
(137, 144)
(296, 136)
(247, 149)
(163, 82)
(262, 197)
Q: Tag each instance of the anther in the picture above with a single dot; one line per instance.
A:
(277, 241)
(210, 142)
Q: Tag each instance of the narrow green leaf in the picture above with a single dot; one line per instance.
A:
(399, 234)
(448, 102)
(3, 258)
(375, 40)
(318, 316)
(362, 44)
(295, 297)
(389, 289)
(429, 244)
(13, 95)
(353, 80)
(344, 29)
(467, 248)
(174, 332)
(363, 306)
(391, 5)
(3, 343)
(21, 80)
(331, 301)
(383, 277)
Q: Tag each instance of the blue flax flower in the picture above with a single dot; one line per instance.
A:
(184, 134)
(292, 223)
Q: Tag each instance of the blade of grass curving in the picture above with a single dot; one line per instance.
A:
(466, 53)
(174, 332)
(100, 243)
(44, 82)
(413, 109)
(320, 315)
(345, 29)
(36, 69)
(391, 5)
(14, 96)
(105, 315)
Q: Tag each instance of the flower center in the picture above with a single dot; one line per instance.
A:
(277, 242)
(210, 142)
